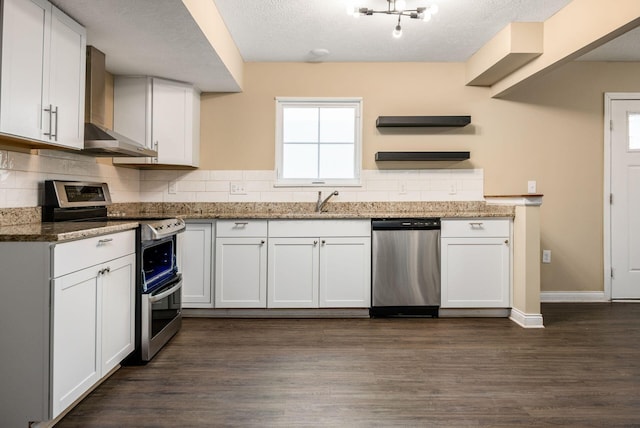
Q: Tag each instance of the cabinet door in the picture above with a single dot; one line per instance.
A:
(171, 127)
(24, 60)
(118, 311)
(241, 273)
(196, 265)
(345, 272)
(67, 80)
(475, 273)
(293, 273)
(76, 335)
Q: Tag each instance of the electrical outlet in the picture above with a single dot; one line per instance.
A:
(531, 186)
(402, 188)
(453, 188)
(238, 188)
(173, 187)
(546, 256)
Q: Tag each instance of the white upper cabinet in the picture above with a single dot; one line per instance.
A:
(42, 77)
(161, 114)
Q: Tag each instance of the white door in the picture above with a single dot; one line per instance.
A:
(171, 114)
(67, 80)
(76, 335)
(241, 273)
(293, 273)
(118, 309)
(475, 273)
(24, 60)
(625, 206)
(345, 272)
(196, 264)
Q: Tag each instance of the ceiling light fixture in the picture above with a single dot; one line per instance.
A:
(397, 7)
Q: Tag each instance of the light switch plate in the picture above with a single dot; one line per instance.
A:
(546, 256)
(531, 186)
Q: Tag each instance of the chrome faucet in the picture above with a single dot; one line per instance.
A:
(322, 203)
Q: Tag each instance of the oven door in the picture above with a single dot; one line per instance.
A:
(161, 317)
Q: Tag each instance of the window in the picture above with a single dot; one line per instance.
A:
(318, 141)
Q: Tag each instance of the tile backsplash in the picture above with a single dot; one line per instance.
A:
(258, 186)
(21, 177)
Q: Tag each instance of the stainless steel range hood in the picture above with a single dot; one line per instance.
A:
(98, 140)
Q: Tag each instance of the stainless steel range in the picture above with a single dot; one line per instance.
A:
(158, 280)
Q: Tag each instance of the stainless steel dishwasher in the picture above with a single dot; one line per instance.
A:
(405, 267)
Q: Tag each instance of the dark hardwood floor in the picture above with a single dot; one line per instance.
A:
(582, 370)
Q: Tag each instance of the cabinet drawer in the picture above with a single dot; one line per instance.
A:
(72, 256)
(241, 228)
(474, 227)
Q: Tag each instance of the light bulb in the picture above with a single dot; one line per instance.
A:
(400, 5)
(397, 32)
(426, 17)
(433, 9)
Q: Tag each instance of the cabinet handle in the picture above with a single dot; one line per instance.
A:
(155, 146)
(262, 242)
(55, 136)
(475, 224)
(324, 242)
(50, 111)
(315, 243)
(107, 269)
(506, 241)
(104, 241)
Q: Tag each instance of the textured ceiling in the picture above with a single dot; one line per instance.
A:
(287, 30)
(160, 38)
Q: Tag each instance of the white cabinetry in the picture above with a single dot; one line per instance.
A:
(92, 313)
(241, 264)
(42, 76)
(476, 263)
(319, 263)
(163, 115)
(71, 310)
(196, 264)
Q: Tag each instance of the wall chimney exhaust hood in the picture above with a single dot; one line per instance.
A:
(98, 140)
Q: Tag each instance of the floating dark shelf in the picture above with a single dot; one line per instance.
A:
(421, 121)
(422, 156)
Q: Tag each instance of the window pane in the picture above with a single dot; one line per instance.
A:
(337, 161)
(337, 125)
(300, 161)
(634, 131)
(300, 125)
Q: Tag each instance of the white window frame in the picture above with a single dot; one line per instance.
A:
(318, 101)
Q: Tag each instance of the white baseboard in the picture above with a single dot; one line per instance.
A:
(575, 296)
(526, 320)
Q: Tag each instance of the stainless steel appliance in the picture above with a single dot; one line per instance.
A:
(160, 286)
(98, 140)
(158, 280)
(405, 267)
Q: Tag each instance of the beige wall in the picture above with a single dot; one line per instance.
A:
(550, 131)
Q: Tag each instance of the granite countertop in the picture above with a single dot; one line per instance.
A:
(63, 231)
(123, 215)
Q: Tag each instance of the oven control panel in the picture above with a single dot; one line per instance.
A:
(158, 229)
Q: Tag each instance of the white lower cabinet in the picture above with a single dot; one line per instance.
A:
(293, 273)
(319, 264)
(241, 264)
(476, 263)
(93, 327)
(196, 263)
